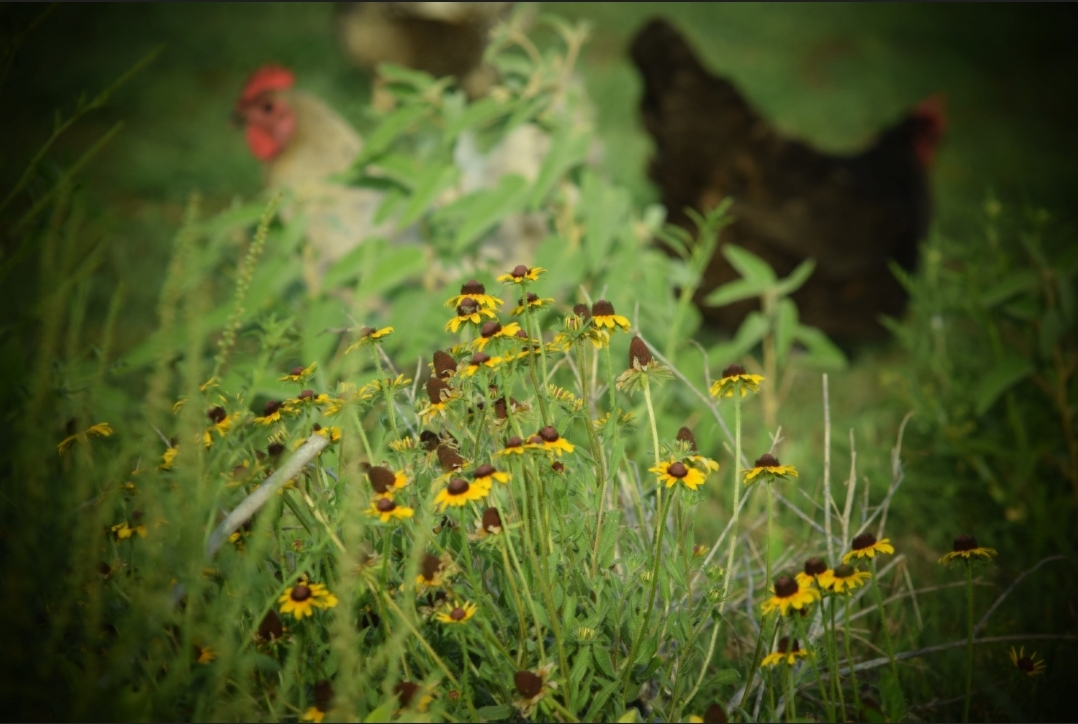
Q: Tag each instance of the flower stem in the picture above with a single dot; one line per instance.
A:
(849, 661)
(390, 407)
(833, 660)
(660, 528)
(597, 454)
(883, 625)
(969, 646)
(654, 439)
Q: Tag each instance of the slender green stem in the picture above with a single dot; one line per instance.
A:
(390, 407)
(597, 454)
(767, 558)
(654, 439)
(883, 625)
(815, 667)
(528, 595)
(849, 661)
(969, 646)
(521, 615)
(791, 709)
(833, 657)
(767, 542)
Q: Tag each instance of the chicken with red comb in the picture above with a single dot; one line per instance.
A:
(302, 142)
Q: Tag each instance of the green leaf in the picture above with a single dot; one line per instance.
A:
(494, 713)
(606, 209)
(1052, 328)
(797, 277)
(629, 716)
(483, 209)
(822, 352)
(725, 676)
(735, 291)
(418, 79)
(568, 148)
(599, 701)
(748, 264)
(392, 127)
(786, 323)
(383, 713)
(580, 665)
(430, 185)
(602, 659)
(1004, 375)
(1022, 281)
(476, 115)
(752, 330)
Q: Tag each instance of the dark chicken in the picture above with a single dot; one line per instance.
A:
(790, 202)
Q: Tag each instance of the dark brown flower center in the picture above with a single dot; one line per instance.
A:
(784, 645)
(467, 307)
(549, 434)
(514, 442)
(639, 353)
(602, 308)
(366, 332)
(385, 505)
(767, 460)
(492, 520)
(685, 435)
(472, 287)
(535, 440)
(532, 298)
(733, 371)
(301, 593)
(275, 449)
(271, 407)
(458, 486)
(297, 371)
(444, 364)
(479, 358)
(865, 540)
(677, 470)
(528, 684)
(582, 311)
(428, 440)
(382, 479)
(1025, 663)
(271, 627)
(714, 715)
(217, 414)
(483, 471)
(785, 587)
(435, 389)
(490, 329)
(306, 394)
(430, 566)
(520, 271)
(449, 458)
(323, 696)
(964, 542)
(815, 566)
(405, 690)
(500, 410)
(558, 467)
(843, 571)
(458, 614)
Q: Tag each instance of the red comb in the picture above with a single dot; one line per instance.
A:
(934, 109)
(267, 78)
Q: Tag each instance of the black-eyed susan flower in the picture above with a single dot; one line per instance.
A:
(672, 472)
(323, 700)
(550, 442)
(457, 612)
(643, 368)
(100, 429)
(449, 459)
(714, 714)
(603, 315)
(1028, 665)
(220, 422)
(789, 594)
(846, 578)
(331, 433)
(513, 446)
(433, 571)
(687, 447)
(385, 510)
(440, 395)
(479, 361)
(532, 686)
(168, 457)
(530, 301)
(271, 413)
(301, 600)
(123, 531)
(406, 694)
(785, 651)
(476, 292)
(815, 571)
(204, 654)
(444, 365)
(369, 336)
(965, 546)
(734, 378)
(469, 312)
(458, 492)
(767, 465)
(493, 330)
(270, 629)
(486, 475)
(491, 522)
(522, 274)
(299, 373)
(866, 546)
(385, 482)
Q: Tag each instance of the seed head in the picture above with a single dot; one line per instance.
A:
(815, 566)
(430, 566)
(271, 627)
(767, 460)
(492, 520)
(602, 308)
(458, 486)
(520, 271)
(964, 542)
(385, 505)
(301, 593)
(473, 287)
(528, 684)
(217, 414)
(449, 458)
(271, 407)
(582, 311)
(483, 471)
(865, 540)
(382, 479)
(458, 614)
(677, 470)
(785, 587)
(444, 364)
(405, 691)
(489, 329)
(733, 370)
(639, 353)
(435, 389)
(549, 434)
(685, 435)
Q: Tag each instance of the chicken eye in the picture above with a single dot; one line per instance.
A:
(267, 107)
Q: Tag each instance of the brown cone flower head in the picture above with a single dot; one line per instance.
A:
(639, 353)
(382, 479)
(430, 566)
(865, 540)
(271, 407)
(582, 311)
(814, 567)
(449, 458)
(301, 593)
(489, 329)
(677, 470)
(733, 370)
(435, 389)
(963, 542)
(483, 471)
(271, 627)
(473, 287)
(714, 714)
(602, 308)
(458, 486)
(385, 505)
(405, 691)
(785, 586)
(492, 520)
(217, 414)
(685, 435)
(444, 364)
(528, 684)
(549, 434)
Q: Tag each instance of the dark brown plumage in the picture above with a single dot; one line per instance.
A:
(790, 202)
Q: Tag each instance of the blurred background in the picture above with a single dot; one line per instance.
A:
(831, 74)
